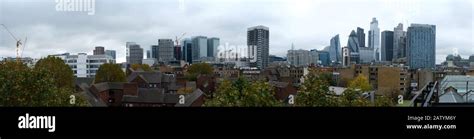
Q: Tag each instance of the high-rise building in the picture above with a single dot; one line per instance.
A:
(387, 45)
(366, 55)
(135, 54)
(111, 53)
(335, 50)
(314, 57)
(165, 50)
(374, 35)
(127, 51)
(155, 52)
(421, 46)
(177, 52)
(199, 48)
(298, 58)
(212, 44)
(402, 46)
(361, 36)
(258, 41)
(99, 50)
(324, 58)
(353, 45)
(148, 54)
(399, 39)
(187, 50)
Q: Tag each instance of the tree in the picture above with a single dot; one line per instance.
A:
(315, 91)
(353, 98)
(198, 69)
(22, 86)
(110, 73)
(61, 73)
(255, 94)
(360, 83)
(144, 67)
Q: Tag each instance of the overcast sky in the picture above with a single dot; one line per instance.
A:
(309, 24)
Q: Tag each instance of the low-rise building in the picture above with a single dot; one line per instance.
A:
(84, 65)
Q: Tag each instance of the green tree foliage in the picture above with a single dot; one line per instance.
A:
(110, 73)
(61, 73)
(198, 69)
(353, 98)
(22, 86)
(241, 93)
(327, 76)
(315, 91)
(143, 67)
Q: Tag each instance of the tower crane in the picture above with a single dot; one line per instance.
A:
(19, 44)
(178, 39)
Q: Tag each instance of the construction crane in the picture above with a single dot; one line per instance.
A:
(179, 39)
(18, 44)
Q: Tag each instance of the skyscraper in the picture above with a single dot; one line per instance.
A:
(177, 52)
(361, 36)
(187, 50)
(335, 50)
(212, 44)
(154, 52)
(135, 54)
(199, 47)
(366, 55)
(421, 46)
(99, 50)
(353, 46)
(387, 45)
(127, 51)
(258, 37)
(324, 58)
(399, 41)
(165, 51)
(148, 54)
(374, 35)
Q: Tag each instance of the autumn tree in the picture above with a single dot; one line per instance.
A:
(61, 73)
(110, 73)
(144, 67)
(21, 86)
(197, 69)
(315, 91)
(360, 83)
(243, 94)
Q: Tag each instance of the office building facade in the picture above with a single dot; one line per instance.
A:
(335, 50)
(374, 36)
(165, 50)
(387, 45)
(258, 41)
(421, 46)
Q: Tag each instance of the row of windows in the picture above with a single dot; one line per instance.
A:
(88, 71)
(88, 66)
(88, 61)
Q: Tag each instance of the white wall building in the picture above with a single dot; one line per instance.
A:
(84, 65)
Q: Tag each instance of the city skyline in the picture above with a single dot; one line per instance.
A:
(307, 23)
